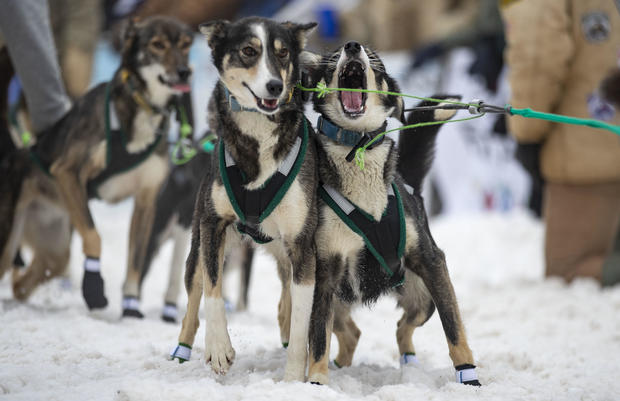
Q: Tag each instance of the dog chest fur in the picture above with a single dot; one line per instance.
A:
(365, 188)
(144, 132)
(262, 129)
(149, 174)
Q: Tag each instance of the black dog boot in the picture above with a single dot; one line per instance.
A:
(466, 374)
(92, 285)
(131, 307)
(169, 313)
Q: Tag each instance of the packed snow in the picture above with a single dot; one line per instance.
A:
(532, 338)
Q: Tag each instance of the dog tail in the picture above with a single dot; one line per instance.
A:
(610, 87)
(416, 146)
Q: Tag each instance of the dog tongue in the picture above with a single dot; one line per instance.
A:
(182, 87)
(352, 101)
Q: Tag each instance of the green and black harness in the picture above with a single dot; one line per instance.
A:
(118, 158)
(384, 239)
(254, 206)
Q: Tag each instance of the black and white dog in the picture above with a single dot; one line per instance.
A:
(262, 184)
(373, 235)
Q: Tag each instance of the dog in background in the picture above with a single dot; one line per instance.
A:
(262, 184)
(173, 218)
(110, 146)
(373, 236)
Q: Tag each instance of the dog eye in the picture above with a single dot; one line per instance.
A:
(159, 45)
(249, 51)
(282, 53)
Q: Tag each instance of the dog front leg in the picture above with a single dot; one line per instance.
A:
(194, 270)
(303, 260)
(322, 319)
(73, 193)
(218, 348)
(284, 306)
(139, 232)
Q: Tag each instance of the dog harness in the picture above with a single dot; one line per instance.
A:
(384, 239)
(118, 158)
(254, 206)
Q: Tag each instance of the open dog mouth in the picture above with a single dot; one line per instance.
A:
(265, 104)
(177, 86)
(353, 76)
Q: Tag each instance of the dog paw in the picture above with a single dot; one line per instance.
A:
(445, 114)
(169, 313)
(466, 374)
(318, 378)
(182, 352)
(131, 308)
(92, 290)
(295, 372)
(220, 353)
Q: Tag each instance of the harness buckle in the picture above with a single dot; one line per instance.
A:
(363, 141)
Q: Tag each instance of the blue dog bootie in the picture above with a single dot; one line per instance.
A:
(408, 359)
(466, 374)
(169, 313)
(182, 352)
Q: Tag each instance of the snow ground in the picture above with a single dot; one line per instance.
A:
(532, 339)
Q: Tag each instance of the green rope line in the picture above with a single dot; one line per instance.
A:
(182, 152)
(359, 153)
(558, 118)
(322, 90)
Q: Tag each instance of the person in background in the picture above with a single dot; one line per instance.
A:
(76, 26)
(558, 51)
(25, 31)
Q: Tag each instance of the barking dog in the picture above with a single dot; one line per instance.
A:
(262, 183)
(109, 145)
(373, 235)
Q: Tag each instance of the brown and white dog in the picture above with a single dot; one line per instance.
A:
(111, 145)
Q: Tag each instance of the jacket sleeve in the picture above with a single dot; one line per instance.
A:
(539, 49)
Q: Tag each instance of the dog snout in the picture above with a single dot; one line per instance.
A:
(352, 47)
(184, 73)
(274, 87)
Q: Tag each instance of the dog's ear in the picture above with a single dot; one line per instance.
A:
(310, 63)
(128, 38)
(214, 31)
(300, 31)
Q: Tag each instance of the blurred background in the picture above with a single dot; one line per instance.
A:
(444, 46)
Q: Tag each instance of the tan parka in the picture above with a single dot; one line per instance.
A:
(558, 51)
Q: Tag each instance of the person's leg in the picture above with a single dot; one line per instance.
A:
(581, 224)
(25, 27)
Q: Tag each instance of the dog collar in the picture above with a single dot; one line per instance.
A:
(234, 104)
(344, 136)
(126, 79)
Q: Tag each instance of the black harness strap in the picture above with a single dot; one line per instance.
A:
(118, 159)
(384, 239)
(254, 206)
